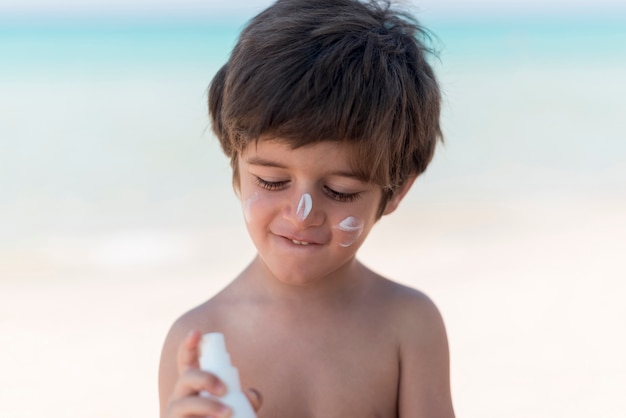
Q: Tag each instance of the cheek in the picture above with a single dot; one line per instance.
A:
(249, 206)
(349, 230)
(257, 206)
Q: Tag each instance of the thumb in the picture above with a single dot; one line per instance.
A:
(255, 398)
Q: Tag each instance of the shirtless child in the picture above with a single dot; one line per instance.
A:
(328, 110)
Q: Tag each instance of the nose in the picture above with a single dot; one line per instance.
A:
(304, 206)
(303, 212)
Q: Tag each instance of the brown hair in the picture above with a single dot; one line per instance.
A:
(305, 71)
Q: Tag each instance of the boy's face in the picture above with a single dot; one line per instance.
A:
(305, 211)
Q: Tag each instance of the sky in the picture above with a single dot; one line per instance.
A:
(221, 7)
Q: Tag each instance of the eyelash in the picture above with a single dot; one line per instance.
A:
(341, 197)
(333, 194)
(270, 185)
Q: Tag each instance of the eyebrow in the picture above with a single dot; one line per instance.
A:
(263, 162)
(268, 163)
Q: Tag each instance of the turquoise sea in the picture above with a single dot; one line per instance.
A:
(103, 121)
(80, 47)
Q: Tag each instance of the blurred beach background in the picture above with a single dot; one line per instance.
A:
(117, 214)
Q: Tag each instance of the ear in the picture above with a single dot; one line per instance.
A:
(395, 200)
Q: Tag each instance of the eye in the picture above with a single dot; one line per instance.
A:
(341, 197)
(271, 185)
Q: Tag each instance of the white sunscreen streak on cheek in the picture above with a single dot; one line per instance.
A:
(304, 206)
(247, 206)
(353, 228)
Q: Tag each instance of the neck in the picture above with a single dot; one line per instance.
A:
(333, 290)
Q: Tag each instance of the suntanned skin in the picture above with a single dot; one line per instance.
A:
(349, 344)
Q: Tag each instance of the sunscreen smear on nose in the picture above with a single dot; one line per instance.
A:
(215, 359)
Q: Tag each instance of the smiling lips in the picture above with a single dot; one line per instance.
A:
(296, 240)
(299, 242)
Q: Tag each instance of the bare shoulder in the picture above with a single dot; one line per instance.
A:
(414, 312)
(191, 320)
(205, 317)
(423, 352)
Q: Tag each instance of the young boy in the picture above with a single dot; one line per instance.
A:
(328, 111)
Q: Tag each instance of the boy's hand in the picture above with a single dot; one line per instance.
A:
(186, 400)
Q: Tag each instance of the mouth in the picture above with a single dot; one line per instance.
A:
(295, 241)
(299, 241)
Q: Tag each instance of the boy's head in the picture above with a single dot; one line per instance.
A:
(332, 70)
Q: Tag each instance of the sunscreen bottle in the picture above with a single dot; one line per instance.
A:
(215, 359)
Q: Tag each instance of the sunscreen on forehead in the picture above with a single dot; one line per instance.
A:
(215, 359)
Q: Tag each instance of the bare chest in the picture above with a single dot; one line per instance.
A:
(324, 372)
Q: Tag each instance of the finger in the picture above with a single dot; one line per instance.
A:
(198, 406)
(255, 398)
(188, 352)
(193, 381)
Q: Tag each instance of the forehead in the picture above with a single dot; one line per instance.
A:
(331, 155)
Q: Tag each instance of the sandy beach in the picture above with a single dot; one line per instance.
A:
(532, 295)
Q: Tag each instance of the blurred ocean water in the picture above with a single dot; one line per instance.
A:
(103, 123)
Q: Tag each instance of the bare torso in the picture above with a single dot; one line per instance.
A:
(314, 357)
(307, 363)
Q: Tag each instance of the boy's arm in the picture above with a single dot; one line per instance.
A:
(168, 367)
(424, 363)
